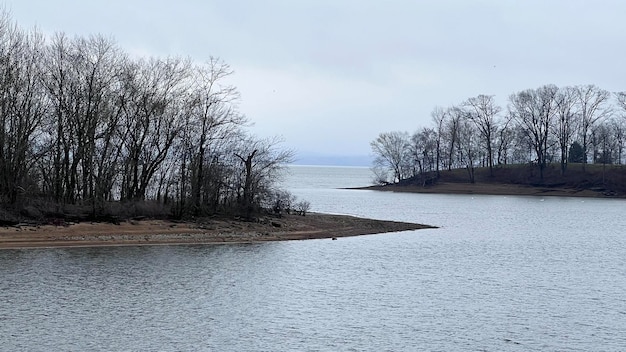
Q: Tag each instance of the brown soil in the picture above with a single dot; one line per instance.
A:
(210, 231)
(491, 189)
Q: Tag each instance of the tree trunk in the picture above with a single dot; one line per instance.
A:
(248, 195)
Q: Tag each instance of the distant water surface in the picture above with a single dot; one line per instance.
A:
(501, 273)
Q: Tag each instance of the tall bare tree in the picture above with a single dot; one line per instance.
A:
(262, 162)
(504, 139)
(211, 118)
(565, 123)
(57, 79)
(451, 133)
(618, 126)
(152, 119)
(593, 106)
(439, 118)
(389, 152)
(534, 111)
(423, 153)
(483, 111)
(22, 107)
(469, 146)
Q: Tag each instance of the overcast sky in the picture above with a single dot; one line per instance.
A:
(329, 76)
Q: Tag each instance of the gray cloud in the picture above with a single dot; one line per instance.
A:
(330, 75)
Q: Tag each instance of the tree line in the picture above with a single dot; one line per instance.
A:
(549, 124)
(85, 123)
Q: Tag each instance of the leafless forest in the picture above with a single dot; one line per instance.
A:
(541, 127)
(90, 129)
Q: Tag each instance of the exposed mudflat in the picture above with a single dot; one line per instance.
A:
(209, 231)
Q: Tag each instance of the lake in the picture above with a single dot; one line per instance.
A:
(501, 273)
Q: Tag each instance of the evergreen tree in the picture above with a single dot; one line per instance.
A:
(576, 153)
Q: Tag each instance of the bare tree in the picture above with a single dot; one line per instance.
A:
(152, 119)
(57, 79)
(565, 123)
(389, 152)
(620, 98)
(469, 147)
(618, 126)
(451, 133)
(592, 106)
(604, 144)
(482, 111)
(423, 153)
(212, 117)
(504, 139)
(302, 207)
(262, 162)
(81, 77)
(95, 123)
(439, 117)
(534, 111)
(22, 107)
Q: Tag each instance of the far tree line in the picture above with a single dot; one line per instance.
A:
(85, 123)
(550, 124)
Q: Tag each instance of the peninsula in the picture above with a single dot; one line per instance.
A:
(598, 181)
(206, 231)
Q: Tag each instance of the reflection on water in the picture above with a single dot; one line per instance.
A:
(502, 273)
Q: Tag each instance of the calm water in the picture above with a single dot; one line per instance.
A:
(501, 274)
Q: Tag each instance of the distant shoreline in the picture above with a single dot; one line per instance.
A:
(210, 231)
(493, 189)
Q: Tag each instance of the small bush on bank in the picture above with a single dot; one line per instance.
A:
(302, 207)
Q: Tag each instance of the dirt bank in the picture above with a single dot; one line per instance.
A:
(146, 232)
(493, 189)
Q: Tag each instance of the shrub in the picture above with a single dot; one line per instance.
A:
(302, 207)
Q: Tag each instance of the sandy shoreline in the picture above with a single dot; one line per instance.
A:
(212, 231)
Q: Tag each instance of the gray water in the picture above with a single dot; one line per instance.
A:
(500, 274)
